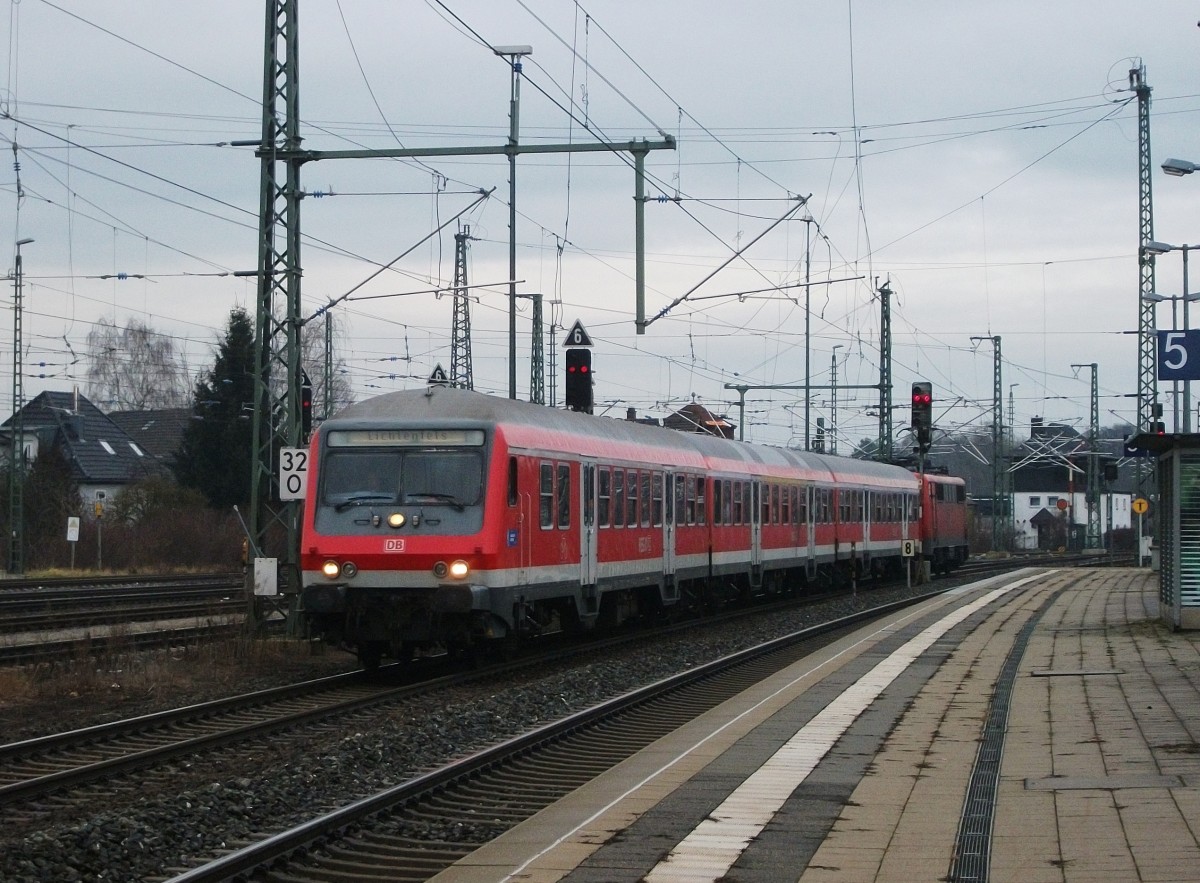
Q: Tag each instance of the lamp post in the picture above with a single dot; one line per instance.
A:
(1161, 248)
(16, 465)
(514, 54)
(1177, 168)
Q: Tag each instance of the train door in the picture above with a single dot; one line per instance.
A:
(810, 517)
(757, 493)
(868, 500)
(669, 479)
(587, 524)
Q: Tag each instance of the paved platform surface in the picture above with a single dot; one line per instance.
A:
(1038, 727)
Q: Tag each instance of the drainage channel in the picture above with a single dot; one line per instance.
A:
(973, 850)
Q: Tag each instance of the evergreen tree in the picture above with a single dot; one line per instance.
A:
(51, 496)
(217, 450)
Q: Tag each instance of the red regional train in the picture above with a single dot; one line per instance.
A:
(448, 517)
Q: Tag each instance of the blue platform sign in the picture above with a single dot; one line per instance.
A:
(1179, 355)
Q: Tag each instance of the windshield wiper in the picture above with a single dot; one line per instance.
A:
(359, 499)
(446, 498)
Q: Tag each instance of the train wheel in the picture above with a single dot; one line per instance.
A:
(370, 654)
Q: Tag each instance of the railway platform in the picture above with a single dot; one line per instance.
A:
(1041, 727)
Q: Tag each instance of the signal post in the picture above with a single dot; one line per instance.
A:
(922, 427)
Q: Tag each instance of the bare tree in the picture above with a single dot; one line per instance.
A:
(135, 368)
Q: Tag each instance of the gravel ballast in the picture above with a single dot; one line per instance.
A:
(214, 804)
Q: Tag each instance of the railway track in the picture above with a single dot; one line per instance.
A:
(160, 755)
(108, 753)
(58, 764)
(415, 830)
(30, 610)
(44, 619)
(34, 768)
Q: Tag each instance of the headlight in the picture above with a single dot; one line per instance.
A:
(440, 569)
(331, 569)
(349, 569)
(459, 569)
(396, 519)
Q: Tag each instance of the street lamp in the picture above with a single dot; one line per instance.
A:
(514, 54)
(1177, 168)
(16, 465)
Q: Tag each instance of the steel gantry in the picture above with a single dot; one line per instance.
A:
(1092, 497)
(275, 420)
(885, 373)
(461, 374)
(999, 473)
(1147, 379)
(273, 525)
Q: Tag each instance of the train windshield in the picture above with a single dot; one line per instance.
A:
(426, 477)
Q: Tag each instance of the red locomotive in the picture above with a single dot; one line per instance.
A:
(448, 517)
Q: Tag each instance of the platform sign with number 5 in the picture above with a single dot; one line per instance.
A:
(1179, 355)
(293, 473)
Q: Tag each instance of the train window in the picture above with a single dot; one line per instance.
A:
(656, 499)
(618, 498)
(546, 496)
(645, 498)
(960, 493)
(774, 504)
(701, 500)
(737, 502)
(859, 505)
(764, 503)
(801, 509)
(785, 504)
(442, 477)
(605, 497)
(512, 481)
(631, 497)
(564, 495)
(718, 496)
(726, 502)
(680, 483)
(355, 474)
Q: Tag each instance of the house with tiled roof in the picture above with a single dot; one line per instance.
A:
(159, 432)
(1049, 488)
(103, 457)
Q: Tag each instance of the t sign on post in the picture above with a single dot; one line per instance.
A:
(293, 473)
(1179, 355)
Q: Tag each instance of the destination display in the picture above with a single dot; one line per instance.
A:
(405, 438)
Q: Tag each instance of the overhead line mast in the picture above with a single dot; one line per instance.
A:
(276, 422)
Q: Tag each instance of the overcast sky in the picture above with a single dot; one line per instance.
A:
(981, 158)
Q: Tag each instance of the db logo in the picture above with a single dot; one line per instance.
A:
(393, 545)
